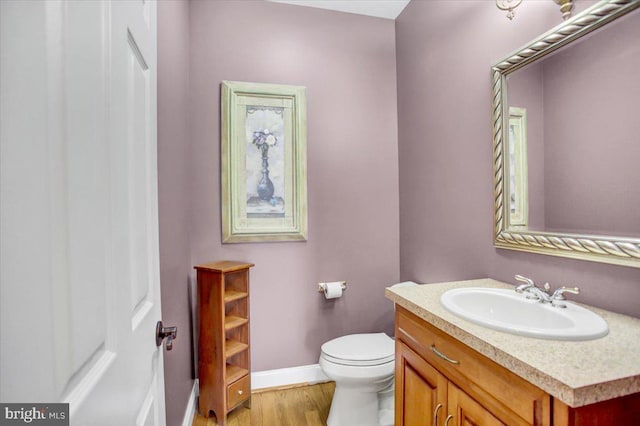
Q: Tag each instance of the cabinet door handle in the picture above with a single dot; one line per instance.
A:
(449, 418)
(443, 356)
(435, 414)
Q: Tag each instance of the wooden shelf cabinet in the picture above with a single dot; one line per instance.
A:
(224, 362)
(470, 389)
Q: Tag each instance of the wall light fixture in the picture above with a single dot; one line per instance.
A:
(510, 5)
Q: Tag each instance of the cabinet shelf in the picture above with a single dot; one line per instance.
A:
(232, 321)
(232, 295)
(234, 373)
(233, 347)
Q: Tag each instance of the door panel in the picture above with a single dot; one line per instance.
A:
(421, 390)
(139, 174)
(467, 412)
(419, 399)
(82, 181)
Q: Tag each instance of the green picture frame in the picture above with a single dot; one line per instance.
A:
(263, 155)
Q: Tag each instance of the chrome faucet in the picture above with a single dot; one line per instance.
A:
(558, 295)
(529, 286)
(533, 292)
(528, 283)
(539, 294)
(542, 294)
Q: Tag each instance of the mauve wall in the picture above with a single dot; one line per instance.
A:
(593, 132)
(174, 199)
(347, 63)
(445, 50)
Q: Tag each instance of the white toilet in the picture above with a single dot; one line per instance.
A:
(362, 366)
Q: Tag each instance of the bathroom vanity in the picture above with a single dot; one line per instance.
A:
(450, 371)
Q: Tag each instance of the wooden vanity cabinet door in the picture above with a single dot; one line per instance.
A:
(420, 390)
(466, 411)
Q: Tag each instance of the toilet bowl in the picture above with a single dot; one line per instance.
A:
(362, 365)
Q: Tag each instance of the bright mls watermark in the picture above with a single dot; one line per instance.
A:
(54, 414)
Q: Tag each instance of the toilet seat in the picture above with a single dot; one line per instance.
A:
(356, 350)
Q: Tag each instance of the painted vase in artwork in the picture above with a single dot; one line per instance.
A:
(265, 186)
(263, 140)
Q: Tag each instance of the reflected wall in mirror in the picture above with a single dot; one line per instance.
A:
(567, 182)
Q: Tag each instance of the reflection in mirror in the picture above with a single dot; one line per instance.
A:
(566, 107)
(518, 198)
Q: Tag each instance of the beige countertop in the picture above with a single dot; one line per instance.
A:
(576, 373)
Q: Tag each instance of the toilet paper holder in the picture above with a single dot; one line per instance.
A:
(323, 286)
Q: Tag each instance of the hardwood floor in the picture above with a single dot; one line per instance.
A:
(298, 406)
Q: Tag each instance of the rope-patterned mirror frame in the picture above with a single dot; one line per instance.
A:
(607, 249)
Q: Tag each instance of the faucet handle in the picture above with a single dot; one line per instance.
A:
(523, 279)
(559, 295)
(528, 283)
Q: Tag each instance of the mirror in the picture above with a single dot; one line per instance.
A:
(567, 139)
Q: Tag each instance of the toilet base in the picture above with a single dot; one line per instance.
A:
(386, 408)
(353, 407)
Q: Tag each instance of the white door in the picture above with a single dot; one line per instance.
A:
(79, 289)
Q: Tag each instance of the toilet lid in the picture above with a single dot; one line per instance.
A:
(360, 349)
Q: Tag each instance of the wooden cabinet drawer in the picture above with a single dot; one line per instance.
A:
(238, 391)
(510, 398)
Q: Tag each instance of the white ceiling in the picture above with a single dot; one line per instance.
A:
(389, 9)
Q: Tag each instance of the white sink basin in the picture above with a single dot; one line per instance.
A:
(506, 310)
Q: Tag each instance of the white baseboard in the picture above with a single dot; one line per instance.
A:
(190, 411)
(305, 374)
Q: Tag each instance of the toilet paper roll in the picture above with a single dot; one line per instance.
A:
(333, 290)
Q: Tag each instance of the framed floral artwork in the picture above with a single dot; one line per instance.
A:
(264, 180)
